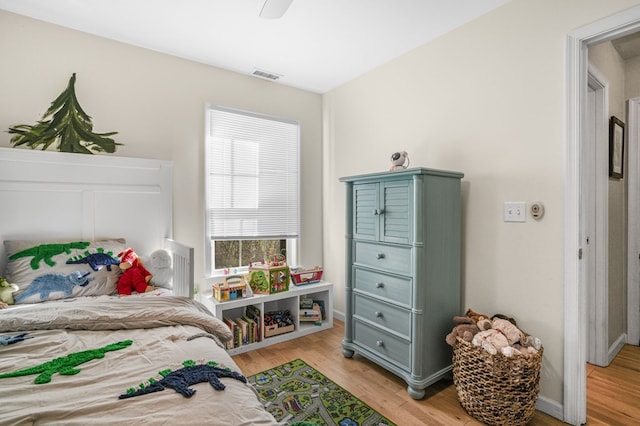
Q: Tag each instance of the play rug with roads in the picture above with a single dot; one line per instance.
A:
(296, 392)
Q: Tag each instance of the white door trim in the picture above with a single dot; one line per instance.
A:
(633, 221)
(575, 388)
(596, 195)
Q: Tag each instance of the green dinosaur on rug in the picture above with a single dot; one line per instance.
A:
(66, 365)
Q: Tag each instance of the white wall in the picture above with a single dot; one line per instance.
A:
(488, 100)
(156, 103)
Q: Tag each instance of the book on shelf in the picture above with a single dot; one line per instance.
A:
(234, 334)
(252, 329)
(244, 331)
(254, 313)
(320, 304)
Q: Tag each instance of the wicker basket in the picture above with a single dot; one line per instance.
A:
(496, 389)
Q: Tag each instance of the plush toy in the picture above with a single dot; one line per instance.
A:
(504, 317)
(467, 326)
(527, 346)
(490, 340)
(475, 316)
(134, 277)
(531, 342)
(158, 263)
(504, 337)
(6, 293)
(510, 331)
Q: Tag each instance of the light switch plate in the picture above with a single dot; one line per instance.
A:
(515, 211)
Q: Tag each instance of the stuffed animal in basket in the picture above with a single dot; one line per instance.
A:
(506, 338)
(134, 277)
(467, 326)
(6, 293)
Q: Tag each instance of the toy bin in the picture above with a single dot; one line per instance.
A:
(306, 276)
(231, 288)
(277, 322)
(495, 389)
(268, 279)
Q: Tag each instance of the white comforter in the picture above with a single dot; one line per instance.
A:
(165, 332)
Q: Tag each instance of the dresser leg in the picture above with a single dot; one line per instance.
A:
(348, 353)
(415, 393)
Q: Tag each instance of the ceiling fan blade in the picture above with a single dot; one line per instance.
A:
(274, 9)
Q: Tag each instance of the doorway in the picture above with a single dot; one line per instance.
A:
(633, 221)
(576, 214)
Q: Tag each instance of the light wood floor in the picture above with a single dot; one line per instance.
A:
(613, 392)
(387, 393)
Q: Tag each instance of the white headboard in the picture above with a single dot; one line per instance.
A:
(53, 195)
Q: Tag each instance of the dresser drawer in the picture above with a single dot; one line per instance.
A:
(383, 314)
(386, 258)
(394, 288)
(384, 344)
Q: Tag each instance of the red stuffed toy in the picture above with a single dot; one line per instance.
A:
(135, 276)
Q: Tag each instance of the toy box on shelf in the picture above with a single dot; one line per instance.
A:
(231, 288)
(310, 310)
(269, 276)
(277, 322)
(306, 276)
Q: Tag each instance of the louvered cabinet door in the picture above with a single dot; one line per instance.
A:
(366, 211)
(396, 211)
(383, 211)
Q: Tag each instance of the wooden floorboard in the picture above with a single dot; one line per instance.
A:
(386, 393)
(613, 392)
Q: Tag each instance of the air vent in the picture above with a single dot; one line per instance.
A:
(266, 75)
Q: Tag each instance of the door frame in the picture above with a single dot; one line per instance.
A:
(633, 221)
(596, 196)
(575, 300)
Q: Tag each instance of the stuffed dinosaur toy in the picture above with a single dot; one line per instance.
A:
(6, 293)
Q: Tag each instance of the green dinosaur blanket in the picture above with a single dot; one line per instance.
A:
(66, 365)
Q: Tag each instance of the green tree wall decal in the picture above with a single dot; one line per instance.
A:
(66, 122)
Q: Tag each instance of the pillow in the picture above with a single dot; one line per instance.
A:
(47, 270)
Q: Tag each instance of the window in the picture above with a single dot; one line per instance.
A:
(252, 188)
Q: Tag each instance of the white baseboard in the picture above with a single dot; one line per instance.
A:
(550, 407)
(616, 347)
(338, 315)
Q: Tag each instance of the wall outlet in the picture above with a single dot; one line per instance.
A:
(515, 211)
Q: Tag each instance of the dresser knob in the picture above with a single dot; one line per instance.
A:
(379, 285)
(380, 343)
(380, 256)
(378, 314)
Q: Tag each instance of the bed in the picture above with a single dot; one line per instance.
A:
(73, 352)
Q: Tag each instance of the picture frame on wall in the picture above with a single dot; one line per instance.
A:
(616, 147)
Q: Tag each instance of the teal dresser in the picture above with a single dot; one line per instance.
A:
(402, 278)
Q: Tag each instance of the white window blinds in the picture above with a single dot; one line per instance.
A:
(252, 166)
